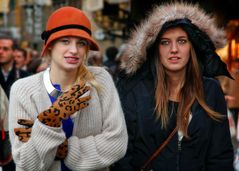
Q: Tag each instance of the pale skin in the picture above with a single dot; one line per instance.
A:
(19, 58)
(6, 54)
(174, 51)
(67, 55)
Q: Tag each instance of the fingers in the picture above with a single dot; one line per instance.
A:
(75, 92)
(78, 87)
(83, 105)
(84, 99)
(81, 84)
(21, 131)
(23, 134)
(25, 122)
(84, 90)
(83, 102)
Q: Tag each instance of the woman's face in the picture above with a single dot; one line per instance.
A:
(68, 53)
(174, 50)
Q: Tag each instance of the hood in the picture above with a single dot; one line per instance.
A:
(146, 33)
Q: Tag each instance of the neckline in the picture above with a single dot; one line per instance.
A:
(48, 85)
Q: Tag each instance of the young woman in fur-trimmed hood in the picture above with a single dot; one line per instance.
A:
(169, 88)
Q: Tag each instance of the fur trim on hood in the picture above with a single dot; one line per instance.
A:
(146, 33)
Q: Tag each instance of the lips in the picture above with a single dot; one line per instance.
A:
(174, 58)
(72, 59)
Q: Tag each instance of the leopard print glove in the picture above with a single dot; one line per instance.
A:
(65, 105)
(24, 135)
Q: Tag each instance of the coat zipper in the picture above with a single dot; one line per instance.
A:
(179, 153)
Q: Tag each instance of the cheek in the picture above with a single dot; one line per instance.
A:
(83, 53)
(163, 55)
(83, 50)
(186, 54)
(163, 61)
(9, 56)
(164, 51)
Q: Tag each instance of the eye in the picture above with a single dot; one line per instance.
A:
(164, 42)
(65, 41)
(182, 41)
(83, 43)
(6, 48)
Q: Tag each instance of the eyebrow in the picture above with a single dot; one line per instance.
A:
(180, 37)
(5, 47)
(183, 37)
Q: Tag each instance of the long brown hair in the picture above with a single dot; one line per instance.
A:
(191, 91)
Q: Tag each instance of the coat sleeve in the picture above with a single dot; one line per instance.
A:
(129, 108)
(220, 152)
(39, 152)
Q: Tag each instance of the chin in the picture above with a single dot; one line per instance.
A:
(70, 69)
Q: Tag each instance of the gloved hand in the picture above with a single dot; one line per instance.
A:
(24, 135)
(65, 105)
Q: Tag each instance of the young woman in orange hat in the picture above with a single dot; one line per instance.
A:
(69, 116)
(175, 110)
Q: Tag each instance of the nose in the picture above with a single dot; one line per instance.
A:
(174, 47)
(73, 48)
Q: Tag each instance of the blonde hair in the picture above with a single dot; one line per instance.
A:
(85, 75)
(191, 91)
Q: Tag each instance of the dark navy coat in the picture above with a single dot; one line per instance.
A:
(209, 147)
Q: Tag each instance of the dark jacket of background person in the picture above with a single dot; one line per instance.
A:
(14, 75)
(208, 146)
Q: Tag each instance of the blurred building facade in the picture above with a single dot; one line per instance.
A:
(25, 19)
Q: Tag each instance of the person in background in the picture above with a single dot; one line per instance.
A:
(119, 59)
(68, 117)
(230, 88)
(36, 62)
(43, 66)
(175, 110)
(20, 56)
(9, 73)
(110, 62)
(95, 58)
